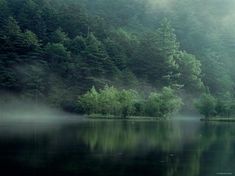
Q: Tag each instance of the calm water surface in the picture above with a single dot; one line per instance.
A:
(118, 148)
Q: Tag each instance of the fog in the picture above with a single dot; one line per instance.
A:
(221, 12)
(14, 110)
(164, 4)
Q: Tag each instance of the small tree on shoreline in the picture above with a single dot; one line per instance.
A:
(206, 105)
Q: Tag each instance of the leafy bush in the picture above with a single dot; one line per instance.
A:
(89, 101)
(127, 99)
(206, 105)
(108, 101)
(163, 103)
(225, 105)
(222, 106)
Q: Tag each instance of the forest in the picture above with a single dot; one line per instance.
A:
(146, 58)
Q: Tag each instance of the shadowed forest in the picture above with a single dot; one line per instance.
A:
(54, 51)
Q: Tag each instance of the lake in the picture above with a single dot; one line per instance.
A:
(184, 147)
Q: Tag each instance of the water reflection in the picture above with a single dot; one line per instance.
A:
(131, 137)
(167, 148)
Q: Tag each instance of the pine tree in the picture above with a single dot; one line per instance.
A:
(97, 58)
(168, 48)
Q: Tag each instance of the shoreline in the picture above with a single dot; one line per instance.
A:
(219, 119)
(111, 117)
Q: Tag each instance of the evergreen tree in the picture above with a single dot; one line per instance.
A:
(97, 58)
(168, 48)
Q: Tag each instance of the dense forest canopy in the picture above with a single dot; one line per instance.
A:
(55, 50)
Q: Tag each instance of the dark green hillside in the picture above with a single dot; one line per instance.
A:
(56, 50)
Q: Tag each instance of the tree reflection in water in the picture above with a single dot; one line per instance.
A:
(165, 148)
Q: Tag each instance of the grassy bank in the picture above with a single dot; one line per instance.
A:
(219, 119)
(100, 116)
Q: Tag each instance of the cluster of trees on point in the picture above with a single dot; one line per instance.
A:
(123, 103)
(220, 106)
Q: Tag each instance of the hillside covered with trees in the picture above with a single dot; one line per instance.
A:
(55, 50)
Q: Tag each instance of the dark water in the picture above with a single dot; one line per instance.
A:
(118, 148)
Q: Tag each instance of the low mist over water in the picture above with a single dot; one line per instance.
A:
(17, 111)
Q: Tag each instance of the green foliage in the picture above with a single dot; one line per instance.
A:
(170, 101)
(30, 40)
(163, 63)
(225, 105)
(33, 78)
(11, 28)
(97, 58)
(162, 104)
(59, 36)
(114, 50)
(206, 105)
(4, 10)
(220, 106)
(78, 45)
(123, 103)
(127, 99)
(89, 101)
(127, 44)
(108, 101)
(217, 76)
(17, 49)
(166, 39)
(168, 48)
(56, 49)
(190, 70)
